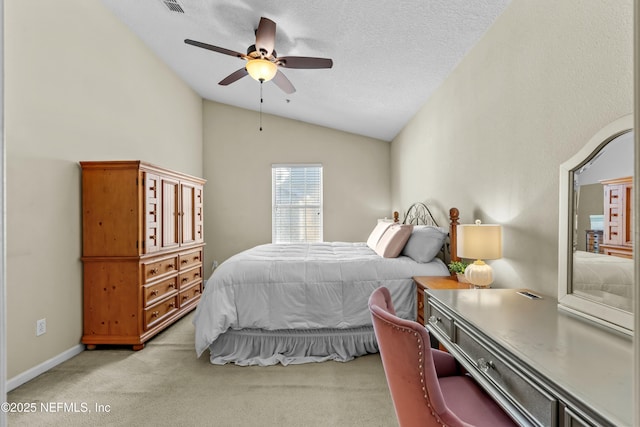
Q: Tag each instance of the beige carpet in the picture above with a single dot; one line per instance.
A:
(165, 385)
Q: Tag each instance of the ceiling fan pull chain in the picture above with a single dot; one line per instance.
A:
(261, 106)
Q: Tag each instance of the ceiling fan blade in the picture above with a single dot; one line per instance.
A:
(283, 82)
(266, 36)
(305, 62)
(236, 75)
(215, 48)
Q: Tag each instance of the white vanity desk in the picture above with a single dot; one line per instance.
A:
(544, 366)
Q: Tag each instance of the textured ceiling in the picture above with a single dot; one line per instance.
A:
(388, 55)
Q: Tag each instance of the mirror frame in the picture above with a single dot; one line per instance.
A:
(603, 314)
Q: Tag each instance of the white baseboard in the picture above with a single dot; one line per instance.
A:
(30, 374)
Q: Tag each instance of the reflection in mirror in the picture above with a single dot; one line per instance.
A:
(595, 258)
(603, 238)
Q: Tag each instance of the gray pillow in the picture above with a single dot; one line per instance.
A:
(424, 243)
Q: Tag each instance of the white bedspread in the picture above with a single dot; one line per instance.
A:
(304, 286)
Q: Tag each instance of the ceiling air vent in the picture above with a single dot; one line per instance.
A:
(173, 5)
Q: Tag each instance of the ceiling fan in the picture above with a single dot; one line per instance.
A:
(262, 61)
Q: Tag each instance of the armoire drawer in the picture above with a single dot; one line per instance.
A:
(154, 269)
(156, 291)
(190, 295)
(186, 278)
(188, 259)
(541, 406)
(159, 311)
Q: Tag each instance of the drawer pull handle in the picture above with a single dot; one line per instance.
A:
(155, 314)
(434, 320)
(172, 305)
(171, 285)
(170, 266)
(154, 292)
(185, 279)
(196, 258)
(153, 271)
(485, 365)
(185, 297)
(185, 261)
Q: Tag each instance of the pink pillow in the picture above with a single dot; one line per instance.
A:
(393, 240)
(377, 233)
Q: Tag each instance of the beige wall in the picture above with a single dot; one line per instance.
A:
(79, 86)
(238, 159)
(490, 141)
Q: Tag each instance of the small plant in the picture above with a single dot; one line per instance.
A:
(457, 266)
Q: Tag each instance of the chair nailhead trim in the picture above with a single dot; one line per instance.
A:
(420, 366)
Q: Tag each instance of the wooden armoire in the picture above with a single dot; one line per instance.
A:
(142, 250)
(618, 217)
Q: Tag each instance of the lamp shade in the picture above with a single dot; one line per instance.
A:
(261, 70)
(479, 241)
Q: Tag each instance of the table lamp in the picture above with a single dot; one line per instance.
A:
(479, 241)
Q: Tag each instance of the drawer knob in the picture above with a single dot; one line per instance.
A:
(434, 320)
(485, 365)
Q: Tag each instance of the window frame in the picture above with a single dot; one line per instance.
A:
(275, 238)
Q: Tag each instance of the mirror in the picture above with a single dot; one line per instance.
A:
(595, 255)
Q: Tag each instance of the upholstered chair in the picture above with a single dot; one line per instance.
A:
(427, 386)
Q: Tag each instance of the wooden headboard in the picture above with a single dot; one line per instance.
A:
(419, 213)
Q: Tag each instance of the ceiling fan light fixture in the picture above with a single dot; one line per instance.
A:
(261, 70)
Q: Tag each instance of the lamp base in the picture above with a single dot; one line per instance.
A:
(479, 274)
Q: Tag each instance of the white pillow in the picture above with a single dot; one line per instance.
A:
(393, 240)
(377, 233)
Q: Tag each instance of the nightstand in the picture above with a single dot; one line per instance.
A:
(434, 282)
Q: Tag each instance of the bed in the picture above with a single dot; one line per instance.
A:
(604, 278)
(301, 303)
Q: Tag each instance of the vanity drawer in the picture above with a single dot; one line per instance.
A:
(439, 320)
(530, 398)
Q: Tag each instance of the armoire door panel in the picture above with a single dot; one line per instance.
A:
(152, 213)
(170, 213)
(187, 214)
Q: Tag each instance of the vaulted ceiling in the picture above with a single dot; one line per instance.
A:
(388, 56)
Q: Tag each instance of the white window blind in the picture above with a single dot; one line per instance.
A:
(296, 203)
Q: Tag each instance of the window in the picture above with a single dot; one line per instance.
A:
(296, 203)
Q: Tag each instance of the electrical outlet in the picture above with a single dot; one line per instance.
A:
(41, 327)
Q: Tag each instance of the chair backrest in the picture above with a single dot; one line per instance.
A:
(409, 367)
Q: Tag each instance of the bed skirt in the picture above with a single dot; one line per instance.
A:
(247, 347)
